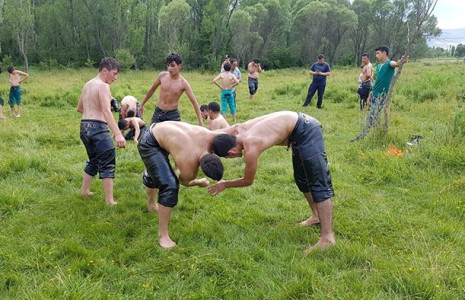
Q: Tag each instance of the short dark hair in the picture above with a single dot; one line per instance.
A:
(321, 56)
(257, 61)
(227, 67)
(383, 48)
(10, 68)
(366, 55)
(130, 113)
(222, 143)
(204, 107)
(122, 124)
(108, 63)
(173, 57)
(212, 166)
(233, 60)
(214, 106)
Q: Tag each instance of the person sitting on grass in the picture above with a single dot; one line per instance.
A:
(217, 121)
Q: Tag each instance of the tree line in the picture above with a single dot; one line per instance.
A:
(140, 33)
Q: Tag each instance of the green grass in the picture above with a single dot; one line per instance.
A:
(399, 221)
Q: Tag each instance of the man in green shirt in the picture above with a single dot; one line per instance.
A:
(384, 73)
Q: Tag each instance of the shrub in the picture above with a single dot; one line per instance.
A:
(125, 59)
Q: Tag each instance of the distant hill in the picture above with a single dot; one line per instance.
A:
(449, 37)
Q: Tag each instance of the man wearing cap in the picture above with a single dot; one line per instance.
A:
(320, 70)
(384, 73)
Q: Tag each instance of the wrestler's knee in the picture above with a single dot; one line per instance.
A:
(148, 181)
(90, 169)
(168, 195)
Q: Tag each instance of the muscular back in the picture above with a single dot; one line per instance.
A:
(186, 143)
(269, 130)
(93, 92)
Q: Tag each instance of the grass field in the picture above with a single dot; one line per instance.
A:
(399, 221)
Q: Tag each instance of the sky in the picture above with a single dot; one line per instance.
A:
(450, 14)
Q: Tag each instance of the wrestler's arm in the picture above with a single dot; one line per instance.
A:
(24, 74)
(195, 104)
(104, 97)
(150, 92)
(251, 164)
(135, 124)
(215, 81)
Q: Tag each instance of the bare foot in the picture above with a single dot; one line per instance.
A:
(152, 207)
(86, 194)
(322, 244)
(111, 202)
(166, 242)
(310, 221)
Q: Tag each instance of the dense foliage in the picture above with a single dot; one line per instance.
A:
(282, 33)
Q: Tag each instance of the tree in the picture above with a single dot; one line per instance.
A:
(460, 50)
(172, 19)
(242, 36)
(359, 36)
(19, 19)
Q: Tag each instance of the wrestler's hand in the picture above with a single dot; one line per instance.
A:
(120, 141)
(217, 188)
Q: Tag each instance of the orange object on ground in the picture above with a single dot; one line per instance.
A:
(395, 151)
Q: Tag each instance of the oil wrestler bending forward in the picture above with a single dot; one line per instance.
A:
(190, 147)
(304, 135)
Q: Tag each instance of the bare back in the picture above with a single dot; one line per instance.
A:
(264, 132)
(128, 103)
(228, 80)
(186, 143)
(218, 123)
(90, 99)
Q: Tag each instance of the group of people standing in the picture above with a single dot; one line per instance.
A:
(230, 76)
(371, 93)
(15, 78)
(194, 146)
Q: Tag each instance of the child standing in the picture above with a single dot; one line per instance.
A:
(16, 77)
(228, 82)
